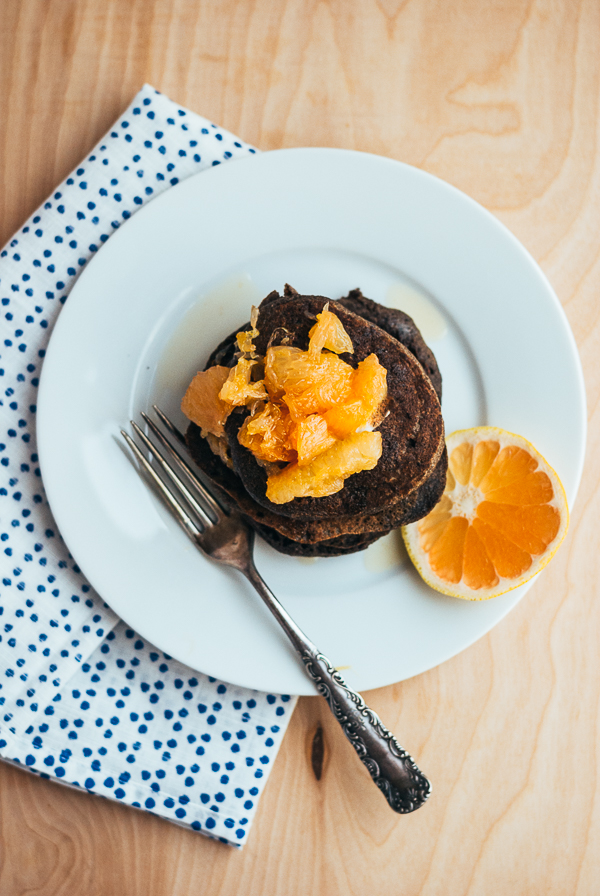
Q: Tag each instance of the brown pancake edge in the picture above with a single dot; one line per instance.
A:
(334, 533)
(412, 432)
(305, 531)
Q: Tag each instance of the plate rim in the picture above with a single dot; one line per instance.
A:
(181, 188)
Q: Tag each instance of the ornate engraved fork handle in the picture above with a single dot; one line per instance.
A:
(404, 786)
(224, 535)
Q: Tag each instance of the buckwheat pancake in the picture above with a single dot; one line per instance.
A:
(410, 475)
(401, 327)
(412, 430)
(308, 531)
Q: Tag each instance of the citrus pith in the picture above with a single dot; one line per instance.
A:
(500, 520)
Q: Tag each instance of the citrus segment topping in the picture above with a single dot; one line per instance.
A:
(266, 433)
(245, 338)
(202, 404)
(502, 517)
(239, 389)
(368, 390)
(310, 438)
(307, 386)
(329, 333)
(307, 408)
(325, 475)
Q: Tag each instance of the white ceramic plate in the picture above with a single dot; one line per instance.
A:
(177, 278)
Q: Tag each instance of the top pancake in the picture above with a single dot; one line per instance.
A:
(315, 531)
(412, 430)
(401, 327)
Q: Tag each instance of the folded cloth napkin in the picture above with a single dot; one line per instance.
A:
(83, 699)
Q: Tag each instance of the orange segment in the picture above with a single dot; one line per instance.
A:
(511, 464)
(532, 527)
(201, 402)
(309, 409)
(460, 462)
(239, 389)
(534, 488)
(508, 559)
(328, 332)
(446, 554)
(478, 569)
(368, 390)
(306, 386)
(244, 341)
(501, 519)
(484, 455)
(266, 433)
(325, 475)
(310, 438)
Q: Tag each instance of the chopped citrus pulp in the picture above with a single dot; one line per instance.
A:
(501, 518)
(325, 474)
(308, 409)
(201, 402)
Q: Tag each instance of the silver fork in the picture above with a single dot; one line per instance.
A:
(222, 534)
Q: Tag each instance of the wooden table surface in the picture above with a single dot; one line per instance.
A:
(500, 98)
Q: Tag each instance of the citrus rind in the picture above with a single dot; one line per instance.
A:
(420, 557)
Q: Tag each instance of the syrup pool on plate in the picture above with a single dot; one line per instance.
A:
(416, 304)
(186, 350)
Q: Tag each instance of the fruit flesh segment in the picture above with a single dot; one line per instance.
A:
(478, 569)
(306, 386)
(310, 438)
(328, 332)
(512, 520)
(446, 554)
(266, 433)
(201, 402)
(368, 391)
(531, 528)
(239, 389)
(484, 455)
(303, 406)
(325, 475)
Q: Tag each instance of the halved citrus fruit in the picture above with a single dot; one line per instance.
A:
(501, 518)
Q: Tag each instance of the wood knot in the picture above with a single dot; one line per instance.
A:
(317, 752)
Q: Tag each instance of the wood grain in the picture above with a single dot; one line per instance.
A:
(501, 98)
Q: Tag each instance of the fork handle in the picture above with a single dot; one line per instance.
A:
(404, 786)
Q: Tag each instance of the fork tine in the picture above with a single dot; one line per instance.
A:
(180, 514)
(182, 488)
(207, 497)
(170, 426)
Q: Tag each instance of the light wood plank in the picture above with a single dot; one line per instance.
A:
(500, 99)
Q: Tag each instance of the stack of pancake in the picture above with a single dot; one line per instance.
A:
(409, 478)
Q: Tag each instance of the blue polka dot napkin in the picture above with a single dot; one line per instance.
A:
(83, 699)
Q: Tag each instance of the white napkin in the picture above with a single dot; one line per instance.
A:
(83, 699)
